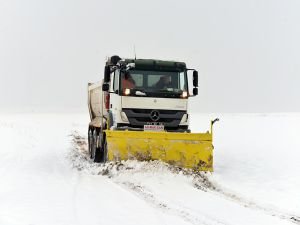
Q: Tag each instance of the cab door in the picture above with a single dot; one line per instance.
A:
(115, 99)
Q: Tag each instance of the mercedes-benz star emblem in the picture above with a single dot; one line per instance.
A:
(154, 115)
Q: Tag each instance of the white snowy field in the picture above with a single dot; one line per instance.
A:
(47, 177)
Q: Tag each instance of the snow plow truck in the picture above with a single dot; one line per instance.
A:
(140, 111)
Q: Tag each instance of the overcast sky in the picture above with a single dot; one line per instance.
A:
(247, 52)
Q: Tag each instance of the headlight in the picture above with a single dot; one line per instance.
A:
(124, 117)
(127, 91)
(184, 94)
(184, 119)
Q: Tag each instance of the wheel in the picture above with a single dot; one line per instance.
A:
(93, 144)
(98, 152)
(104, 150)
(90, 141)
(97, 145)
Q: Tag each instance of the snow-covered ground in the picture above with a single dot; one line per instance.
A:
(47, 177)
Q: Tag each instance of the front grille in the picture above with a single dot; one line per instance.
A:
(140, 117)
(148, 111)
(149, 120)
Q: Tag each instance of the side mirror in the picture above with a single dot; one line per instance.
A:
(106, 74)
(105, 87)
(195, 78)
(195, 91)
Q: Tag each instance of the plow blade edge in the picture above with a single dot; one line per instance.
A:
(188, 150)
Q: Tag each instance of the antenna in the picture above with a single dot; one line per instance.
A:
(134, 52)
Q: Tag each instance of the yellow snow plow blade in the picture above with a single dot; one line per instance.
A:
(189, 150)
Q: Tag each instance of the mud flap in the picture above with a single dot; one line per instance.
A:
(188, 150)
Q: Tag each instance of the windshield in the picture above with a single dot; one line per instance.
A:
(153, 83)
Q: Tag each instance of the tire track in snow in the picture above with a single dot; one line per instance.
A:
(178, 211)
(201, 181)
(81, 161)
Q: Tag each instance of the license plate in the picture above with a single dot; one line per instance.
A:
(154, 127)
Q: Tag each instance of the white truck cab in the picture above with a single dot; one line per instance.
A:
(141, 94)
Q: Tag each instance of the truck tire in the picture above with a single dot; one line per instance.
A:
(97, 155)
(98, 149)
(97, 145)
(104, 149)
(94, 144)
(90, 140)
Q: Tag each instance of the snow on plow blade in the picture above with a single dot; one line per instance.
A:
(189, 150)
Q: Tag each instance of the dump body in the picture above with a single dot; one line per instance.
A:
(94, 99)
(96, 104)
